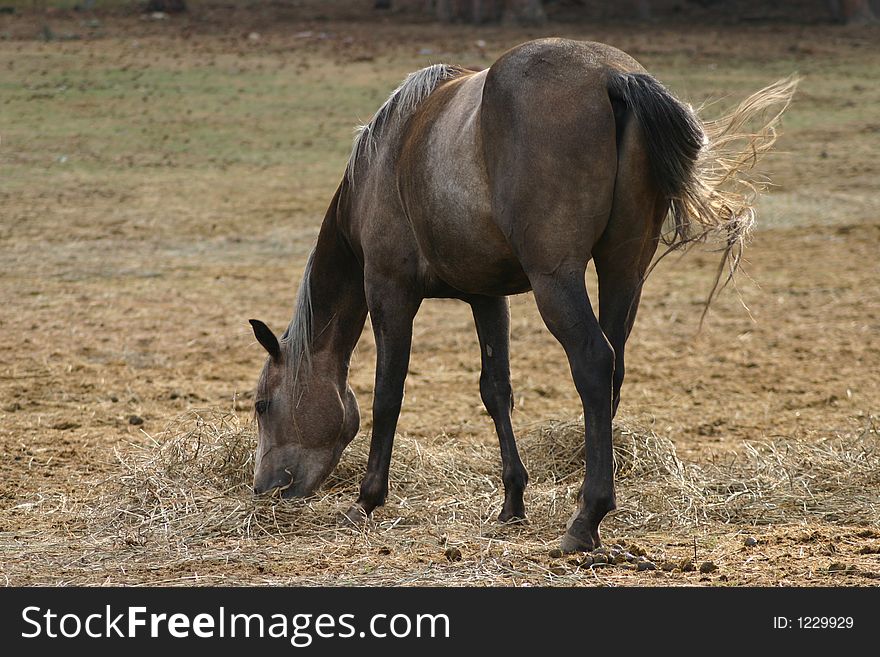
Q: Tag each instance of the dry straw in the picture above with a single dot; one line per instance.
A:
(181, 501)
(193, 482)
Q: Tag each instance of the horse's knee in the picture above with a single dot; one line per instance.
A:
(497, 394)
(386, 409)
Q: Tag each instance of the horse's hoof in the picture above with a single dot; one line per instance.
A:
(354, 517)
(510, 518)
(571, 544)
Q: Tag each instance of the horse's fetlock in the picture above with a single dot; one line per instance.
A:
(515, 478)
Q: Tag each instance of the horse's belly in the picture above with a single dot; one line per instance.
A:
(460, 241)
(470, 261)
(488, 276)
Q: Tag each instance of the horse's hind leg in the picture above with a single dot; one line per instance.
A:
(492, 317)
(623, 253)
(596, 348)
(621, 273)
(565, 308)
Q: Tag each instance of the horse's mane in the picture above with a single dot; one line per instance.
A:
(413, 90)
(298, 336)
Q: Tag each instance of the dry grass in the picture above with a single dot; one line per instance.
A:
(183, 498)
(766, 482)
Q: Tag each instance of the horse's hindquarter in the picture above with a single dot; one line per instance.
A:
(444, 188)
(549, 135)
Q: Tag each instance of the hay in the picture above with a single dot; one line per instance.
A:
(766, 482)
(181, 502)
(193, 482)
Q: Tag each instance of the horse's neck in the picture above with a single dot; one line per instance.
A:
(339, 308)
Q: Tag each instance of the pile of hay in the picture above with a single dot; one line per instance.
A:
(776, 481)
(192, 483)
(180, 508)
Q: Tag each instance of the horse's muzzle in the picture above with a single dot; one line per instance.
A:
(288, 489)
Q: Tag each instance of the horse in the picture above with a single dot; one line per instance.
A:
(478, 185)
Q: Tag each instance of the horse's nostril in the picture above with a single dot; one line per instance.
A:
(262, 488)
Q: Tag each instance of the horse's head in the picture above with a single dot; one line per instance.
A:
(306, 417)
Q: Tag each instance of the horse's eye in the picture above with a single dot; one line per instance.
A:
(261, 406)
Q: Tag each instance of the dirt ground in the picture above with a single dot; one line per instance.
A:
(162, 181)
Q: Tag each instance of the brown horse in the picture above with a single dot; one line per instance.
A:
(478, 185)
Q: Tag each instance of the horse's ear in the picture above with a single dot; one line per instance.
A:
(266, 338)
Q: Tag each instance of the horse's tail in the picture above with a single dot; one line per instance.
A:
(704, 168)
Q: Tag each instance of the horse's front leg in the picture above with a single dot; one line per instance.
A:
(492, 317)
(392, 310)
